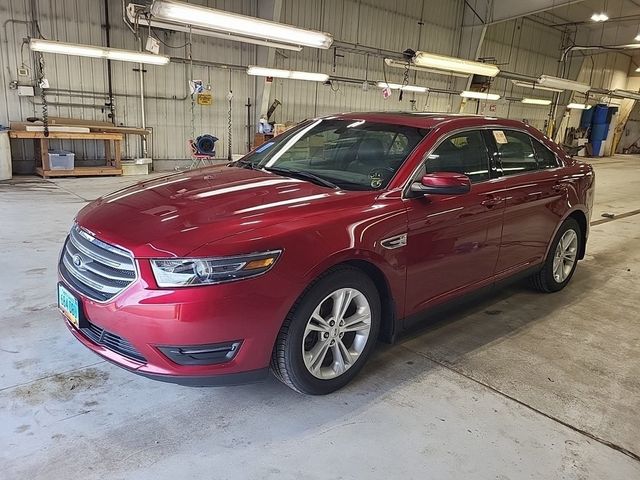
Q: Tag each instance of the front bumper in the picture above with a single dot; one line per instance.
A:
(148, 325)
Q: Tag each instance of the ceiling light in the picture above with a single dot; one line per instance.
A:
(626, 94)
(219, 20)
(75, 49)
(600, 17)
(404, 65)
(293, 75)
(563, 83)
(535, 86)
(536, 101)
(579, 106)
(480, 95)
(637, 39)
(406, 88)
(453, 64)
(177, 27)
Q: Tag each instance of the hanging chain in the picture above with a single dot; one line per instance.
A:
(192, 85)
(43, 95)
(229, 129)
(405, 80)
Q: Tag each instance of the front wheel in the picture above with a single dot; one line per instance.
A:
(562, 259)
(329, 333)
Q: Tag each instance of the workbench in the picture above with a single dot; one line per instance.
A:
(112, 162)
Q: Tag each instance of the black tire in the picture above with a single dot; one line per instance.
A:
(544, 280)
(287, 362)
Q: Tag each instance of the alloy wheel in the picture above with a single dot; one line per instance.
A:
(336, 333)
(565, 256)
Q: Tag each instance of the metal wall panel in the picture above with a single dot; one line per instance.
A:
(522, 46)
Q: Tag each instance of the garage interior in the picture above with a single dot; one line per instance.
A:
(512, 385)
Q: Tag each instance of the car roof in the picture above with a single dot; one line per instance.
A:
(430, 119)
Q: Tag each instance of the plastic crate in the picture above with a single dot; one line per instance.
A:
(61, 160)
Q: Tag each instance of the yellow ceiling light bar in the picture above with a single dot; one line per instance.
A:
(79, 50)
(453, 64)
(243, 25)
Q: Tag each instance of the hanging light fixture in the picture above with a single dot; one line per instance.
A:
(406, 88)
(453, 64)
(535, 86)
(79, 50)
(536, 101)
(241, 25)
(579, 106)
(291, 74)
(178, 27)
(480, 95)
(411, 66)
(562, 83)
(600, 17)
(626, 94)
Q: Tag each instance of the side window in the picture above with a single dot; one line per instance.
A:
(461, 153)
(515, 152)
(546, 158)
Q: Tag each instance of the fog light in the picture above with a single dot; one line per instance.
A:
(202, 354)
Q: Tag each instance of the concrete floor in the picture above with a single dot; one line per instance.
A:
(517, 385)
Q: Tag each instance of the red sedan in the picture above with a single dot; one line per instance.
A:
(298, 257)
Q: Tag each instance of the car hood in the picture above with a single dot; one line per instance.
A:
(176, 214)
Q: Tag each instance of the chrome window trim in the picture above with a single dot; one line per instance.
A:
(411, 178)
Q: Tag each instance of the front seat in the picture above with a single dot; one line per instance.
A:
(370, 155)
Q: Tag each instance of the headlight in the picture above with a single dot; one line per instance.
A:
(185, 272)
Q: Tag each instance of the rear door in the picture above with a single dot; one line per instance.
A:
(453, 240)
(530, 172)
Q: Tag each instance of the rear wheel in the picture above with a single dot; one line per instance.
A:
(562, 259)
(329, 333)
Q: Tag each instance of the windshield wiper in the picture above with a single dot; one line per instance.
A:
(244, 164)
(301, 174)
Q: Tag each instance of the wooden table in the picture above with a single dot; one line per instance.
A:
(112, 163)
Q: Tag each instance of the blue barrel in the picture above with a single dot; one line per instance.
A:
(585, 118)
(599, 131)
(595, 147)
(600, 113)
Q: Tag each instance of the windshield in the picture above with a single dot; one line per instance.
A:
(350, 154)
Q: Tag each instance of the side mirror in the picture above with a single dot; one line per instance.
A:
(441, 183)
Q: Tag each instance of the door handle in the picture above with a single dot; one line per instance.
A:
(492, 202)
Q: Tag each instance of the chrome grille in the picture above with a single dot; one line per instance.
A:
(96, 269)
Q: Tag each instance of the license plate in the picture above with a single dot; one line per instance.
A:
(68, 305)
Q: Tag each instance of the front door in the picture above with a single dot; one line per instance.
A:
(453, 241)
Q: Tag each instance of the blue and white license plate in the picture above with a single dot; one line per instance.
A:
(68, 305)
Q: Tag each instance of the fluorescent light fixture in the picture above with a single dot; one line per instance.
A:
(406, 88)
(637, 39)
(177, 27)
(626, 94)
(453, 64)
(535, 86)
(227, 22)
(579, 106)
(600, 17)
(75, 49)
(536, 101)
(293, 75)
(480, 95)
(563, 83)
(400, 64)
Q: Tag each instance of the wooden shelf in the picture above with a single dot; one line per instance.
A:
(80, 172)
(66, 135)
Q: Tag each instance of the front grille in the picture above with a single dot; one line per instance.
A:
(96, 269)
(112, 342)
